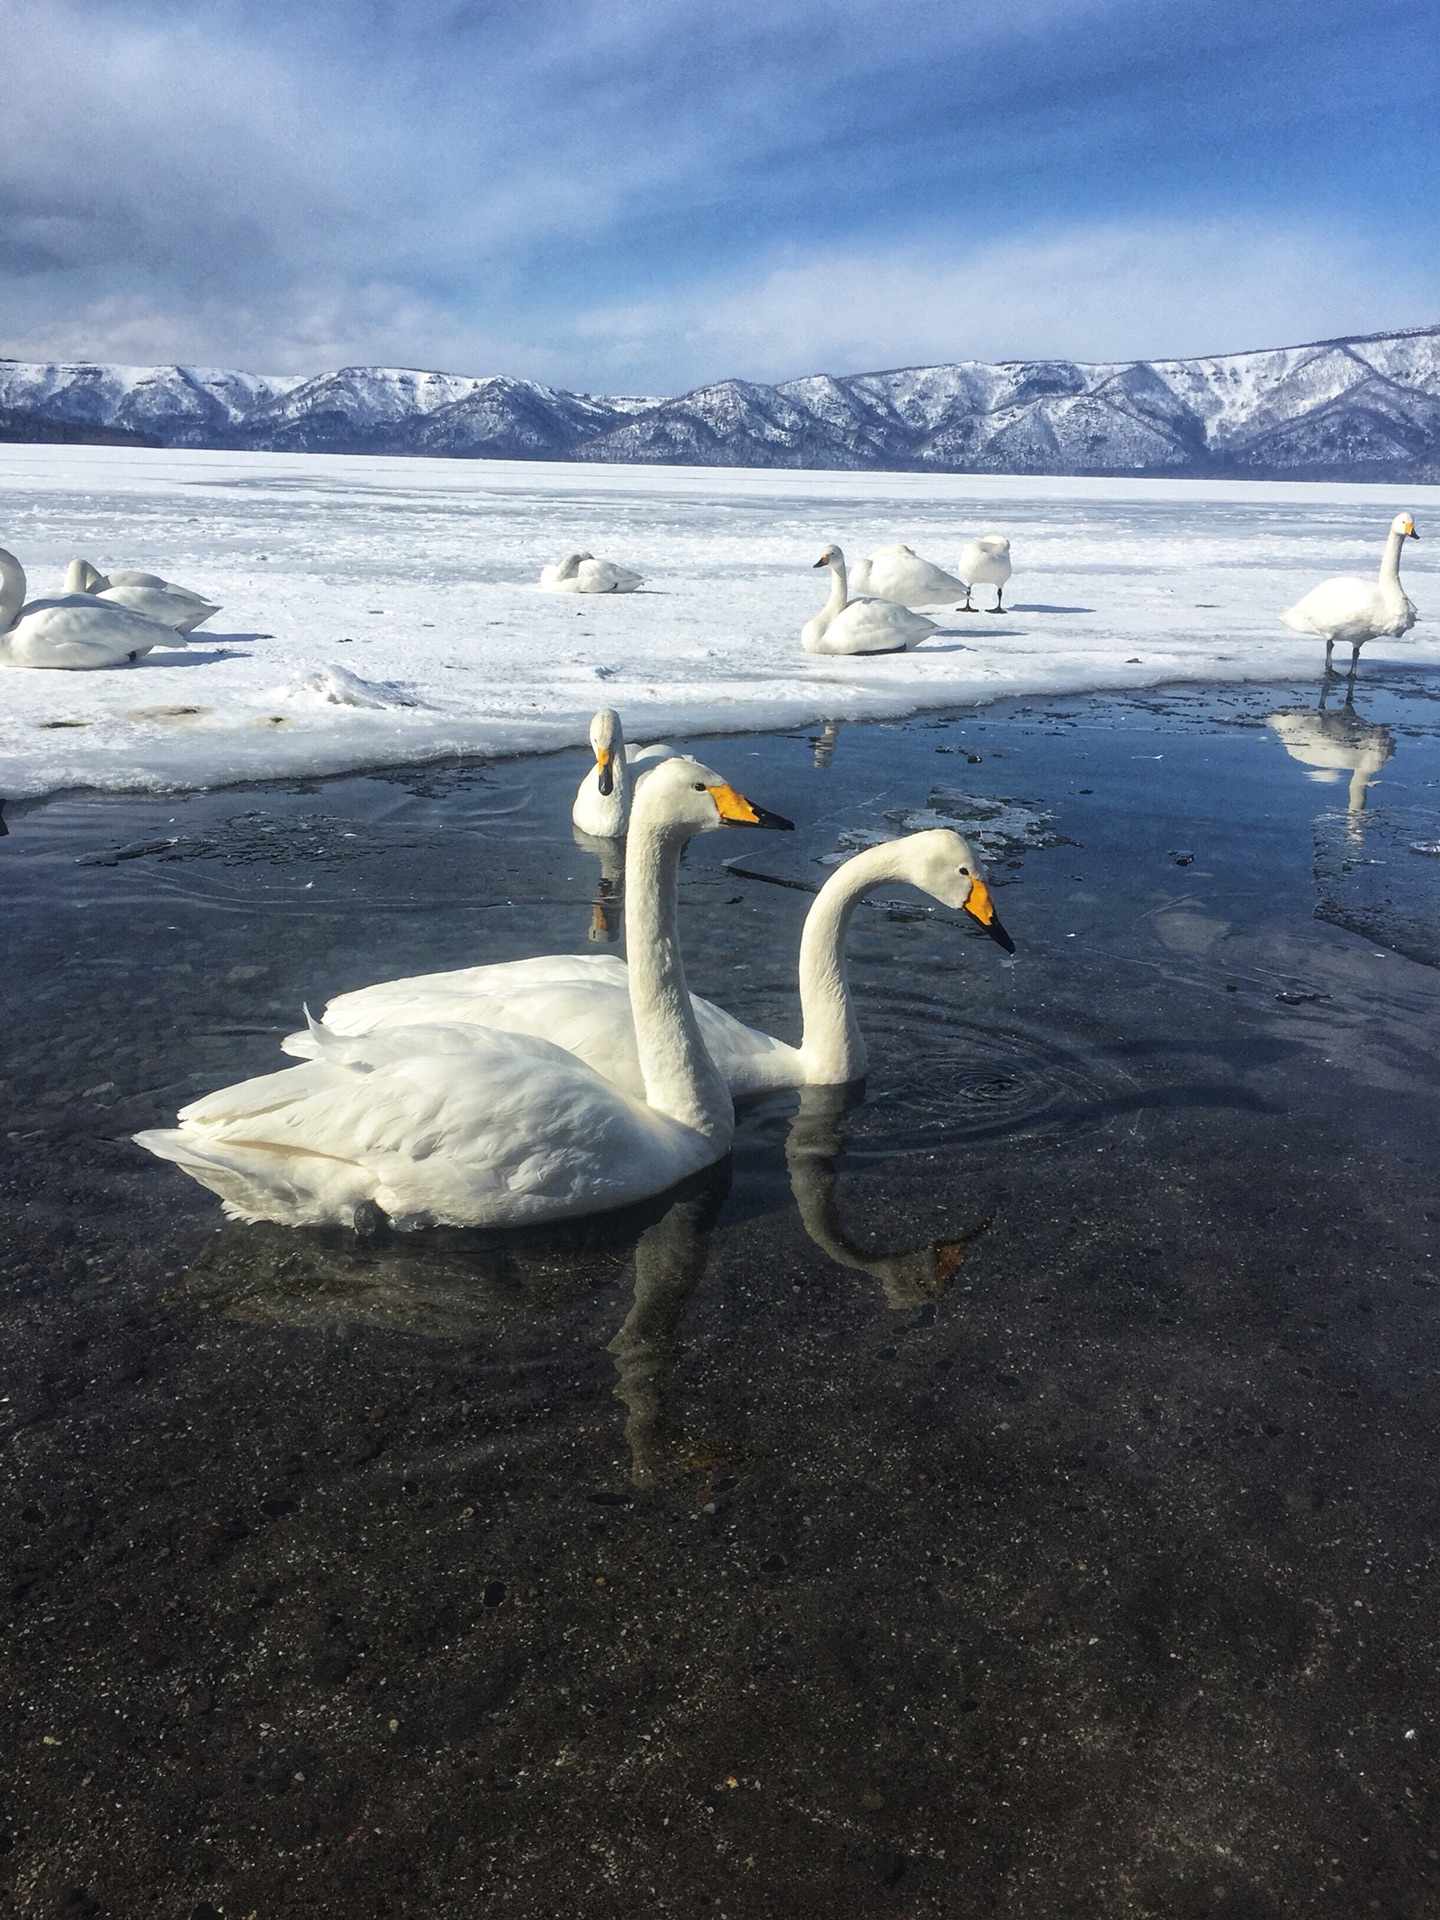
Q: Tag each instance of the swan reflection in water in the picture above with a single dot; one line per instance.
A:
(607, 907)
(453, 1283)
(1336, 741)
(823, 742)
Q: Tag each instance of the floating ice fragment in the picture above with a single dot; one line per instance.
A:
(338, 687)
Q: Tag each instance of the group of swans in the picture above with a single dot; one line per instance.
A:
(888, 586)
(1353, 610)
(547, 1088)
(95, 622)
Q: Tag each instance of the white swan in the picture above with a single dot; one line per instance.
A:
(70, 632)
(844, 625)
(602, 801)
(1354, 610)
(580, 1000)
(466, 1126)
(898, 573)
(984, 562)
(583, 573)
(143, 593)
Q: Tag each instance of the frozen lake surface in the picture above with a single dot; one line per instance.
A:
(417, 578)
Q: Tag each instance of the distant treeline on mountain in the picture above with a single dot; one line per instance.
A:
(1366, 408)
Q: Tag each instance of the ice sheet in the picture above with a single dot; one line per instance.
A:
(379, 610)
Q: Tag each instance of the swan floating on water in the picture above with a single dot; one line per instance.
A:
(459, 1125)
(984, 562)
(844, 625)
(581, 1001)
(1354, 610)
(70, 632)
(144, 593)
(898, 573)
(583, 573)
(602, 801)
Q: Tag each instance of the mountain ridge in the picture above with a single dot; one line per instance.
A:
(1361, 406)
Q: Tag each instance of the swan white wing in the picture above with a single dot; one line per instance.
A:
(74, 632)
(869, 626)
(1348, 609)
(650, 756)
(182, 611)
(128, 577)
(448, 1125)
(604, 576)
(899, 574)
(398, 1002)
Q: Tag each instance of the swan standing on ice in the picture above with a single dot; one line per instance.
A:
(70, 632)
(898, 573)
(1354, 610)
(144, 593)
(844, 625)
(580, 1001)
(467, 1126)
(984, 562)
(602, 802)
(583, 573)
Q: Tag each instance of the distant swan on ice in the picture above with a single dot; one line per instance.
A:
(898, 573)
(602, 802)
(844, 625)
(583, 573)
(1354, 610)
(984, 562)
(144, 593)
(70, 632)
(458, 1125)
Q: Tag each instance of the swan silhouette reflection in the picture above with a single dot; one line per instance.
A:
(1334, 742)
(454, 1283)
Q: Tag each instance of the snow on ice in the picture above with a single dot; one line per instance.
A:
(379, 610)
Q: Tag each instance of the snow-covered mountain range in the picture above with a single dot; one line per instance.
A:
(1356, 409)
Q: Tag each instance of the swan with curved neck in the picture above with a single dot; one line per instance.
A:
(602, 801)
(144, 593)
(465, 1125)
(1353, 610)
(583, 573)
(844, 625)
(69, 632)
(580, 1000)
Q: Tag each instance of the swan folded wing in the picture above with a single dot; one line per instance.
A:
(399, 1002)
(455, 1126)
(181, 611)
(1335, 607)
(74, 630)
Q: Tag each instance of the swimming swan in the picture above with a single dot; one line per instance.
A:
(580, 1001)
(1354, 610)
(459, 1125)
(985, 562)
(70, 632)
(898, 573)
(583, 573)
(143, 593)
(844, 625)
(602, 801)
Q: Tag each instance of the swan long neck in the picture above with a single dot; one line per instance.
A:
(1390, 563)
(839, 589)
(831, 1044)
(12, 589)
(680, 1077)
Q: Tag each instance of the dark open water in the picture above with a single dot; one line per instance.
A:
(1014, 1495)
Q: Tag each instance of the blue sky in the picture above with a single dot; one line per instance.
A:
(646, 194)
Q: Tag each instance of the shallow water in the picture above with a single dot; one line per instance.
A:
(1012, 1493)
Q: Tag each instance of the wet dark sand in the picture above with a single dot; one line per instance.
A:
(1016, 1495)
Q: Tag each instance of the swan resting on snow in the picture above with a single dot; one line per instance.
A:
(1354, 610)
(984, 562)
(145, 593)
(844, 625)
(581, 1002)
(898, 573)
(70, 632)
(602, 802)
(583, 573)
(457, 1125)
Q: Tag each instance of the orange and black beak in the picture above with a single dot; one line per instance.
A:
(737, 811)
(605, 777)
(982, 908)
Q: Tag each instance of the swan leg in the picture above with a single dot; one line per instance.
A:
(967, 608)
(1354, 661)
(999, 606)
(1329, 650)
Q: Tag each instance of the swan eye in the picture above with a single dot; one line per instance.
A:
(700, 787)
(966, 872)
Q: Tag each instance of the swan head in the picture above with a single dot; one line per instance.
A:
(1404, 525)
(683, 796)
(82, 577)
(570, 565)
(996, 543)
(940, 862)
(607, 741)
(831, 557)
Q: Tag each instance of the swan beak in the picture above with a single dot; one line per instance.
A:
(737, 811)
(823, 561)
(982, 908)
(605, 779)
(1411, 531)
